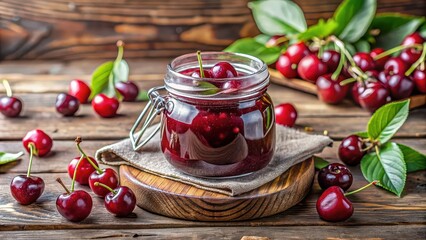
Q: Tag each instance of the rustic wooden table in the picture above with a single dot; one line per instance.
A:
(378, 214)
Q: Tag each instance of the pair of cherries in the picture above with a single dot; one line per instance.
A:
(68, 104)
(76, 205)
(333, 204)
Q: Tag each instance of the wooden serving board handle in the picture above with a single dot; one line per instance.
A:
(178, 200)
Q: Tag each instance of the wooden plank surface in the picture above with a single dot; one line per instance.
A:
(378, 213)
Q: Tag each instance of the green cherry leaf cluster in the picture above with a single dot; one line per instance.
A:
(9, 157)
(354, 22)
(389, 162)
(108, 74)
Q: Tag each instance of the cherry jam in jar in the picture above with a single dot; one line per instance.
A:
(218, 127)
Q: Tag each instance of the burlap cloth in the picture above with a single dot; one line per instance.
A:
(292, 147)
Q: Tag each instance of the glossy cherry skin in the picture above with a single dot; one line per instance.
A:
(10, 106)
(66, 104)
(329, 90)
(26, 190)
(196, 73)
(122, 202)
(333, 206)
(297, 51)
(80, 90)
(108, 177)
(357, 89)
(414, 38)
(380, 63)
(419, 78)
(374, 96)
(395, 66)
(331, 58)
(75, 206)
(223, 70)
(105, 106)
(400, 86)
(335, 174)
(285, 114)
(40, 139)
(85, 169)
(287, 68)
(311, 67)
(410, 55)
(364, 61)
(350, 150)
(129, 90)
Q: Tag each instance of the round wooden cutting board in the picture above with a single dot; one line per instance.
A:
(174, 199)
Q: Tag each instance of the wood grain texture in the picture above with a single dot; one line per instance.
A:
(178, 200)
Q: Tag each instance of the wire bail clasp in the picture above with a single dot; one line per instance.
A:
(154, 107)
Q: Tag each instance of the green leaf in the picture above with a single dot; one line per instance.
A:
(353, 18)
(262, 38)
(362, 134)
(414, 160)
(422, 30)
(362, 46)
(121, 71)
(9, 157)
(388, 167)
(100, 78)
(277, 17)
(321, 30)
(250, 46)
(394, 28)
(320, 163)
(386, 121)
(142, 96)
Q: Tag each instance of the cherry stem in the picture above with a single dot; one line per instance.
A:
(105, 186)
(418, 62)
(33, 150)
(342, 48)
(339, 67)
(368, 148)
(362, 188)
(396, 49)
(200, 62)
(7, 87)
(278, 41)
(75, 173)
(78, 140)
(347, 81)
(59, 180)
(320, 51)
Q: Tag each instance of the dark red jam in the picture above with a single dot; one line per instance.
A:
(219, 138)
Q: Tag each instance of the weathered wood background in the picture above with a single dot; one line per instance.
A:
(82, 29)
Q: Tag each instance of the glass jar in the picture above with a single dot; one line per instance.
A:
(216, 127)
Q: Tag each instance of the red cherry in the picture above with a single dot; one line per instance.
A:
(357, 89)
(374, 96)
(297, 51)
(85, 169)
(333, 206)
(26, 189)
(414, 38)
(74, 206)
(400, 86)
(105, 106)
(395, 66)
(223, 70)
(311, 67)
(286, 67)
(129, 90)
(107, 176)
(121, 201)
(335, 174)
(196, 74)
(419, 78)
(410, 55)
(364, 61)
(10, 106)
(66, 104)
(380, 63)
(80, 90)
(329, 90)
(331, 58)
(42, 142)
(351, 150)
(285, 114)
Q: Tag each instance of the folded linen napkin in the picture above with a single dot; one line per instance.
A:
(291, 147)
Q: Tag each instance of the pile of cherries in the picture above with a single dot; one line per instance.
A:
(379, 78)
(74, 205)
